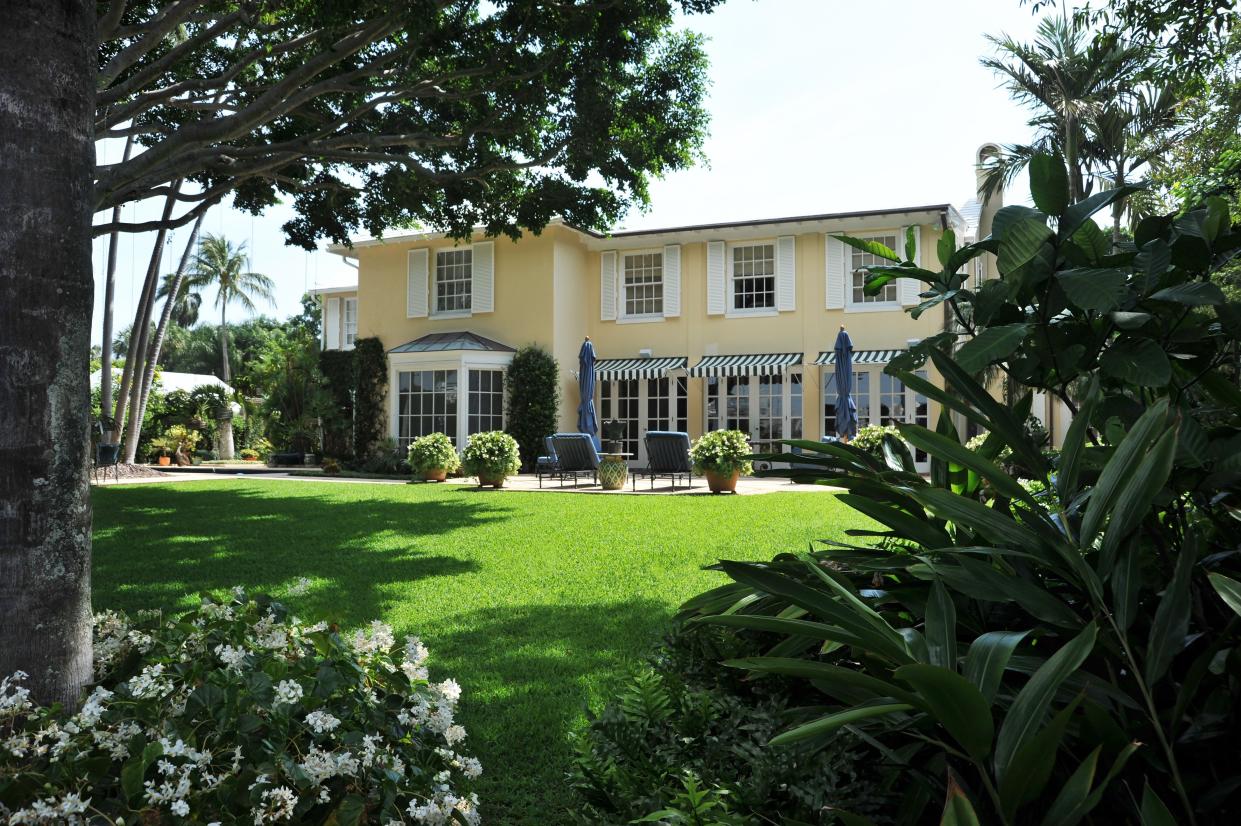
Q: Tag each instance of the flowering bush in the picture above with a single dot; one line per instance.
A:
(870, 438)
(238, 712)
(435, 451)
(722, 451)
(493, 454)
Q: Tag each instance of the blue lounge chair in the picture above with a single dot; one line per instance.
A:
(667, 454)
(575, 456)
(545, 465)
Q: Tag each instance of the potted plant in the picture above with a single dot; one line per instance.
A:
(164, 445)
(722, 456)
(248, 454)
(183, 440)
(492, 457)
(613, 432)
(433, 457)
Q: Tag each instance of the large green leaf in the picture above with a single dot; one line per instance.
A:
(1154, 811)
(847, 679)
(955, 704)
(1139, 361)
(988, 656)
(940, 627)
(1093, 243)
(907, 525)
(831, 722)
(1022, 241)
(1033, 763)
(1076, 798)
(1137, 493)
(1075, 443)
(958, 811)
(783, 625)
(991, 345)
(1167, 635)
(953, 451)
(1049, 183)
(1228, 589)
(1080, 212)
(977, 518)
(1026, 714)
(982, 581)
(873, 247)
(1094, 289)
(1191, 294)
(1120, 468)
(946, 246)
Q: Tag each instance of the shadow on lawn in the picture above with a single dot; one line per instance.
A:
(529, 671)
(155, 545)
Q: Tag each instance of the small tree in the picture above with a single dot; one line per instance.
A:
(533, 396)
(371, 385)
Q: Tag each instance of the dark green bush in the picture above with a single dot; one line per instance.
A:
(686, 715)
(370, 389)
(340, 380)
(532, 388)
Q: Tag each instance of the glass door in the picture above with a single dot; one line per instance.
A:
(643, 404)
(765, 408)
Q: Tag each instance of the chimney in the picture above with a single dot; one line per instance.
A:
(990, 203)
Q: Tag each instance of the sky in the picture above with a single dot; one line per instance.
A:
(816, 106)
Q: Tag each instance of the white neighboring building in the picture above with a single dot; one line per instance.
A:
(167, 381)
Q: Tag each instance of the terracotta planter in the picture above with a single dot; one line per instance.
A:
(165, 460)
(493, 481)
(435, 475)
(722, 483)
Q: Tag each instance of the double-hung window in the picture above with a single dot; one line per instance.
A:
(351, 322)
(752, 277)
(644, 284)
(454, 273)
(859, 269)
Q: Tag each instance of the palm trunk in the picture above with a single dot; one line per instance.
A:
(148, 374)
(109, 293)
(47, 71)
(224, 339)
(1118, 211)
(140, 335)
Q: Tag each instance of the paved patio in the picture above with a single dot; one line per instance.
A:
(747, 486)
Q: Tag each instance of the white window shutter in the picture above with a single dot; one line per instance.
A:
(786, 273)
(672, 281)
(331, 324)
(834, 265)
(482, 277)
(715, 278)
(907, 289)
(607, 286)
(416, 285)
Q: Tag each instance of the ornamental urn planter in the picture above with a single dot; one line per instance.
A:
(165, 461)
(722, 482)
(494, 481)
(435, 474)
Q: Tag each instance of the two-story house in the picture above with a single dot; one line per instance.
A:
(726, 325)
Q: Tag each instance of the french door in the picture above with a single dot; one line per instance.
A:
(880, 399)
(644, 404)
(766, 408)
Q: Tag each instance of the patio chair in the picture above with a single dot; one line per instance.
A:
(667, 455)
(107, 455)
(545, 465)
(575, 456)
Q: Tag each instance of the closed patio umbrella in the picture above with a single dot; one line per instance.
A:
(586, 419)
(846, 409)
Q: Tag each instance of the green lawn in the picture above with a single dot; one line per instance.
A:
(535, 603)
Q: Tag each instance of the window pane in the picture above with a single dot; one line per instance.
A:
(753, 277)
(454, 271)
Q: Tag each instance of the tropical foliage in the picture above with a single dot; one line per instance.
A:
(870, 438)
(435, 451)
(722, 451)
(491, 455)
(234, 712)
(223, 265)
(1059, 656)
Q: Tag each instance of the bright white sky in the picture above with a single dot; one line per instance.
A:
(807, 102)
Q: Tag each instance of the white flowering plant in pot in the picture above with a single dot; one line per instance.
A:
(492, 457)
(433, 456)
(238, 712)
(722, 456)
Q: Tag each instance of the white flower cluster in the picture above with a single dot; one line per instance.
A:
(190, 708)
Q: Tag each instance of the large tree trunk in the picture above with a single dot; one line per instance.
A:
(148, 374)
(109, 293)
(47, 72)
(224, 339)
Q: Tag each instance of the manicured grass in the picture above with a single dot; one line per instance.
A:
(536, 603)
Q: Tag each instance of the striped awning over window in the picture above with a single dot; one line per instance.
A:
(639, 368)
(753, 364)
(861, 356)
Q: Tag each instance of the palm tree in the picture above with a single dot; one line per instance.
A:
(188, 301)
(1067, 75)
(220, 263)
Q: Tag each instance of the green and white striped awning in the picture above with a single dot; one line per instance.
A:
(753, 364)
(638, 368)
(861, 356)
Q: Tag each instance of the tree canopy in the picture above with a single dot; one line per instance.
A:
(369, 114)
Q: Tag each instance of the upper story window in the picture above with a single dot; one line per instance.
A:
(644, 284)
(752, 277)
(454, 274)
(859, 268)
(351, 322)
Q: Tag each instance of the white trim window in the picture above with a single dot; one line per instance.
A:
(643, 285)
(351, 323)
(752, 278)
(485, 402)
(454, 278)
(426, 403)
(859, 265)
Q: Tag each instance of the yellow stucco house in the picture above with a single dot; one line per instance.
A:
(726, 325)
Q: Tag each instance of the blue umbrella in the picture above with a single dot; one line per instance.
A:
(587, 422)
(846, 410)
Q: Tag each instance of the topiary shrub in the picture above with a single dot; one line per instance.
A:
(370, 388)
(491, 456)
(532, 398)
(237, 712)
(433, 454)
(722, 452)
